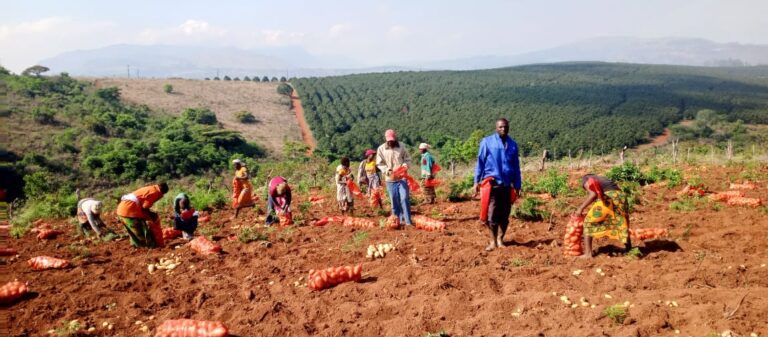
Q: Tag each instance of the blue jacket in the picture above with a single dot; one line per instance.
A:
(493, 160)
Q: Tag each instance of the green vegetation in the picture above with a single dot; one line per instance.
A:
(634, 254)
(617, 313)
(245, 117)
(284, 89)
(248, 234)
(552, 182)
(68, 328)
(461, 189)
(560, 107)
(89, 133)
(688, 204)
(355, 242)
(168, 89)
(528, 210)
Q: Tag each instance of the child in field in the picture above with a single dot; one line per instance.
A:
(186, 216)
(343, 194)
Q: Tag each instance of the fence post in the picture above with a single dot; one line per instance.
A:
(543, 159)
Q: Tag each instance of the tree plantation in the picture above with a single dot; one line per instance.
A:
(560, 107)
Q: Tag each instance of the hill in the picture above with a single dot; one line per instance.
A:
(59, 133)
(200, 62)
(275, 123)
(670, 51)
(560, 107)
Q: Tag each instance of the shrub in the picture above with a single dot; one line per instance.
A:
(462, 189)
(553, 183)
(200, 116)
(628, 172)
(38, 184)
(43, 114)
(284, 89)
(672, 176)
(168, 88)
(528, 210)
(245, 117)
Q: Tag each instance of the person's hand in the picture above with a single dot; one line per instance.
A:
(405, 165)
(476, 188)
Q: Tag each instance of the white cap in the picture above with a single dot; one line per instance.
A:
(237, 161)
(423, 146)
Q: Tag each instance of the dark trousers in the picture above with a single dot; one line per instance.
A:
(188, 226)
(500, 206)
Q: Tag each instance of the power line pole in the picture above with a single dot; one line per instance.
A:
(128, 67)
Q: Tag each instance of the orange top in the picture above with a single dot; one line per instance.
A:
(243, 173)
(146, 197)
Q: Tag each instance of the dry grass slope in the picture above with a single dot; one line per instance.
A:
(277, 123)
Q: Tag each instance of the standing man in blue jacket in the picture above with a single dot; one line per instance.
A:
(497, 176)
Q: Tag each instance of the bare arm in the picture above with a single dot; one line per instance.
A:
(590, 199)
(94, 221)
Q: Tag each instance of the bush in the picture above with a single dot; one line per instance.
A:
(528, 210)
(628, 172)
(200, 116)
(168, 88)
(284, 89)
(38, 184)
(553, 183)
(58, 205)
(463, 189)
(245, 117)
(43, 115)
(672, 176)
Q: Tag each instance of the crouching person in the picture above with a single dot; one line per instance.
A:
(278, 200)
(142, 224)
(88, 217)
(186, 216)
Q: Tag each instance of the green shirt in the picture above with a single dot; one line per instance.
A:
(426, 164)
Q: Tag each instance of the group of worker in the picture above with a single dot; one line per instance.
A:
(143, 225)
(497, 181)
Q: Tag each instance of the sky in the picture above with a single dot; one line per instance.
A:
(373, 33)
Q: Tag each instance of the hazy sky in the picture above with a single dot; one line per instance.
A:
(371, 32)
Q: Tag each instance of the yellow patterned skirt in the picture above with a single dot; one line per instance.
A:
(609, 218)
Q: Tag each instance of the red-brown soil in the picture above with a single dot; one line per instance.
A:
(659, 140)
(432, 282)
(306, 132)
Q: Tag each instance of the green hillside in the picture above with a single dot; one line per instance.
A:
(560, 107)
(61, 133)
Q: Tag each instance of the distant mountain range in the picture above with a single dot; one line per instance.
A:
(673, 51)
(200, 62)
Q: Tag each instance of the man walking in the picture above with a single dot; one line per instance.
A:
(497, 178)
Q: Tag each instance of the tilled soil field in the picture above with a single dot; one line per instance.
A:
(709, 277)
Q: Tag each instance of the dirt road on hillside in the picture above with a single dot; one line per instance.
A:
(306, 133)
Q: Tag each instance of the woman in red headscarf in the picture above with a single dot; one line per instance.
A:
(608, 215)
